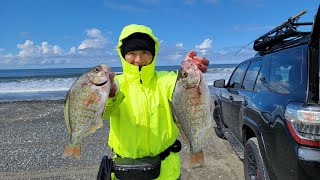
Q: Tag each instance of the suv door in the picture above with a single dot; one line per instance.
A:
(314, 71)
(230, 94)
(242, 99)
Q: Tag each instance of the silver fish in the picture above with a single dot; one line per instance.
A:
(84, 105)
(192, 109)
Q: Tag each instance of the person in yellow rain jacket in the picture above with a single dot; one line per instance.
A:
(141, 122)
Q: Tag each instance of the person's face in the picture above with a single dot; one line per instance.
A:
(139, 57)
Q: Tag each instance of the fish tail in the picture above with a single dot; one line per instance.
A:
(196, 159)
(72, 150)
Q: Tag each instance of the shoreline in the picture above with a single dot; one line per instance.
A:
(33, 101)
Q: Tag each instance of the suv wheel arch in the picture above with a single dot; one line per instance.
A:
(253, 163)
(217, 118)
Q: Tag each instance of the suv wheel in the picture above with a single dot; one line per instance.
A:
(253, 163)
(218, 129)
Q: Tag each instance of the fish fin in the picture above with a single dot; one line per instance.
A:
(66, 113)
(93, 129)
(100, 125)
(179, 127)
(212, 106)
(183, 134)
(72, 150)
(196, 159)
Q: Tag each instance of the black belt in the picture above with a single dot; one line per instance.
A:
(175, 147)
(145, 168)
(141, 168)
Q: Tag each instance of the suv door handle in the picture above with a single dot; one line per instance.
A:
(231, 98)
(263, 79)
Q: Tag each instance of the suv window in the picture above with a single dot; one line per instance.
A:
(235, 79)
(285, 71)
(251, 75)
(263, 78)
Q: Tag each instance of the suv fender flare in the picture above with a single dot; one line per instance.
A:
(257, 133)
(217, 105)
(217, 100)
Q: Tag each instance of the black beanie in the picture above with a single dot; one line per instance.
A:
(138, 41)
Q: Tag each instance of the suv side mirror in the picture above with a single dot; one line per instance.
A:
(219, 83)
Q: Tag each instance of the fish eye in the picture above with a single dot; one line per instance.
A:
(184, 74)
(96, 69)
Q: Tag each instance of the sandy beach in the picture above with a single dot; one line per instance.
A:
(33, 135)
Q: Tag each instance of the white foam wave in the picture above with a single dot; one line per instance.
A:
(40, 85)
(217, 70)
(211, 77)
(56, 88)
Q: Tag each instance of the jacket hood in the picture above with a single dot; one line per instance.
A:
(131, 71)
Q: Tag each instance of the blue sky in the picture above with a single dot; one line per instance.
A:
(84, 33)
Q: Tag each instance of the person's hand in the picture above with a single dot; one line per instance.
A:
(114, 87)
(201, 62)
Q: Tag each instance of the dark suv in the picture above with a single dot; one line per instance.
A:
(269, 109)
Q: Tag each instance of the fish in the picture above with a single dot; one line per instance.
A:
(192, 109)
(84, 106)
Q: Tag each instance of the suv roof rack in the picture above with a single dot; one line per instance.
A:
(278, 35)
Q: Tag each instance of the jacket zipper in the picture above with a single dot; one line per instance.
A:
(145, 119)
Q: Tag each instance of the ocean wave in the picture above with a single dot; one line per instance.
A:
(217, 70)
(35, 86)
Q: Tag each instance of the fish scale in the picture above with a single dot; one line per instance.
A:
(199, 111)
(192, 109)
(84, 105)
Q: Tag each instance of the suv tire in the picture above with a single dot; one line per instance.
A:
(218, 129)
(253, 164)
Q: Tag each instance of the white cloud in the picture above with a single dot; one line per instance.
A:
(204, 46)
(202, 51)
(53, 61)
(46, 48)
(57, 50)
(95, 40)
(6, 59)
(28, 49)
(93, 47)
(9, 55)
(179, 45)
(94, 33)
(72, 50)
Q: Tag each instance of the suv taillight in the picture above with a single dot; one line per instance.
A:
(304, 123)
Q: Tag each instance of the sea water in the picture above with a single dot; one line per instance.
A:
(53, 84)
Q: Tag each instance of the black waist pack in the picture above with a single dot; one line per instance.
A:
(105, 168)
(145, 168)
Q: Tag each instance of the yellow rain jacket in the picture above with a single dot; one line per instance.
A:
(141, 122)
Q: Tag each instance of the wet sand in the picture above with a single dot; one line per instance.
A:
(33, 135)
